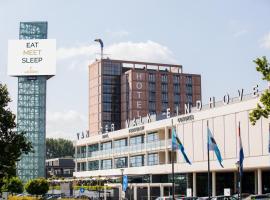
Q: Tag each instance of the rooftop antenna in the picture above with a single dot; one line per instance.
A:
(101, 46)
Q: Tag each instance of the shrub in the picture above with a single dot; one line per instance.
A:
(13, 185)
(38, 186)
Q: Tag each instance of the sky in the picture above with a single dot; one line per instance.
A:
(217, 39)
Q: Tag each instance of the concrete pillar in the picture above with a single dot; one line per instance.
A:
(161, 190)
(148, 192)
(166, 145)
(194, 184)
(135, 192)
(235, 182)
(105, 192)
(256, 181)
(213, 183)
(259, 181)
(76, 156)
(120, 192)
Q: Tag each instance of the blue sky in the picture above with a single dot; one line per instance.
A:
(217, 39)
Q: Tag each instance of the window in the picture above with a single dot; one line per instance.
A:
(176, 88)
(120, 162)
(107, 107)
(189, 80)
(137, 161)
(153, 159)
(152, 77)
(83, 166)
(93, 147)
(93, 165)
(164, 87)
(152, 96)
(106, 145)
(189, 98)
(164, 97)
(176, 98)
(164, 106)
(164, 78)
(152, 87)
(136, 140)
(120, 143)
(110, 68)
(106, 164)
(176, 79)
(152, 106)
(151, 137)
(189, 89)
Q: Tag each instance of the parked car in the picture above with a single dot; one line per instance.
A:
(259, 197)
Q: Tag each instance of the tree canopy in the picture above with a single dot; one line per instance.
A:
(58, 148)
(263, 108)
(12, 143)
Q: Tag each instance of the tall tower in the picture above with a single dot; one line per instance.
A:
(31, 107)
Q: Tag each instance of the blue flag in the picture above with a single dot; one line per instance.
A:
(125, 183)
(212, 146)
(176, 143)
(241, 152)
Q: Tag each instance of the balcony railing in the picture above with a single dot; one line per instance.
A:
(138, 148)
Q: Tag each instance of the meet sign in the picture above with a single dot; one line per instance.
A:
(31, 57)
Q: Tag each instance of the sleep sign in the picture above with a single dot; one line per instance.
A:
(32, 57)
(32, 53)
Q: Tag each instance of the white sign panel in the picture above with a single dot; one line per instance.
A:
(227, 192)
(31, 57)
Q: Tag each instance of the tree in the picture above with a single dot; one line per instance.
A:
(263, 108)
(13, 185)
(12, 143)
(57, 148)
(39, 186)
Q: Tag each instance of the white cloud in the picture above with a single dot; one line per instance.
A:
(140, 51)
(240, 33)
(118, 34)
(265, 41)
(65, 124)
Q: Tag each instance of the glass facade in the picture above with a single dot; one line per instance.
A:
(120, 143)
(152, 137)
(153, 159)
(111, 94)
(106, 145)
(121, 162)
(136, 140)
(189, 90)
(93, 165)
(106, 164)
(31, 110)
(137, 161)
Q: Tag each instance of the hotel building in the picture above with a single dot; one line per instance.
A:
(144, 152)
(121, 90)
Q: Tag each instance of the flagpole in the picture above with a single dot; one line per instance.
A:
(208, 162)
(240, 173)
(172, 158)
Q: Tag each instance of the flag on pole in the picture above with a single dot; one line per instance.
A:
(241, 152)
(212, 146)
(269, 140)
(125, 182)
(176, 143)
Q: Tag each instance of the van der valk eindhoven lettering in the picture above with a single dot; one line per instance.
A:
(226, 100)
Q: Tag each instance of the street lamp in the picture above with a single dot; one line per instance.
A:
(101, 46)
(238, 178)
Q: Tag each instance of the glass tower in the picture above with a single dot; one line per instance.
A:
(31, 110)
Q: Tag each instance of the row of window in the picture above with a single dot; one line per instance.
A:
(164, 78)
(122, 162)
(151, 137)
